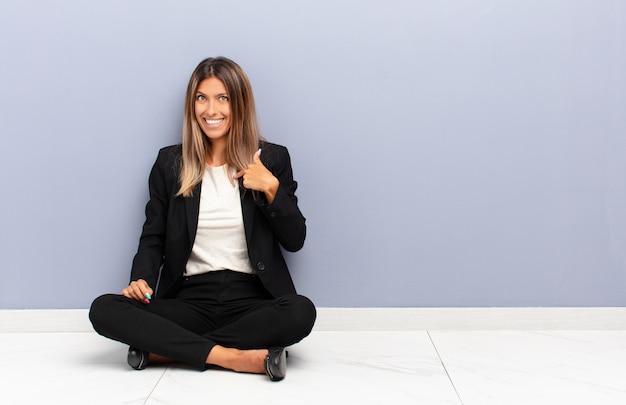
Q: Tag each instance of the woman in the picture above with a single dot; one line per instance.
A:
(209, 284)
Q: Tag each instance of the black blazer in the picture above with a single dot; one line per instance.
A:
(171, 222)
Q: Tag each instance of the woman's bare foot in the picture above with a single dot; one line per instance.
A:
(242, 361)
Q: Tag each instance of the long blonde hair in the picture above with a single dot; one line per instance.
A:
(243, 136)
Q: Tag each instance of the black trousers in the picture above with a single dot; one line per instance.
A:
(227, 308)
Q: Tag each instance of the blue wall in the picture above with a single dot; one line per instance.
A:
(449, 153)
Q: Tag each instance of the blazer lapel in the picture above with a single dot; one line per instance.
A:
(248, 208)
(192, 208)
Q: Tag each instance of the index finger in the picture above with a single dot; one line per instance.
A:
(238, 174)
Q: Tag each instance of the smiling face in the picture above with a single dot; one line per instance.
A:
(212, 108)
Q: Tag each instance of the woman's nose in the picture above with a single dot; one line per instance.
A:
(210, 107)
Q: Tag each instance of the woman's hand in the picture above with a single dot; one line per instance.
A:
(257, 177)
(138, 290)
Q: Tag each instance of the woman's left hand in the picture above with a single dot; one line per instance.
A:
(257, 177)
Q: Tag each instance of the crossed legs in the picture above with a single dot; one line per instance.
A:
(229, 323)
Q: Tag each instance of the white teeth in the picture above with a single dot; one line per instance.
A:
(213, 122)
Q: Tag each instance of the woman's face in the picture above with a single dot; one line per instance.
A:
(212, 108)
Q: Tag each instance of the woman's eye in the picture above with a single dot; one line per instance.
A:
(200, 97)
(223, 98)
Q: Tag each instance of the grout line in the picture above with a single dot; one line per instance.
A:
(155, 386)
(444, 367)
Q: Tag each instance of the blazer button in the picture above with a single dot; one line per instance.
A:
(260, 266)
(272, 214)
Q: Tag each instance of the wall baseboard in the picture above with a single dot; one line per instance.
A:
(399, 319)
(372, 319)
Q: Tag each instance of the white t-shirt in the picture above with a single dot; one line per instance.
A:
(220, 242)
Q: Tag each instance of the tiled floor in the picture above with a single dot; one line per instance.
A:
(418, 367)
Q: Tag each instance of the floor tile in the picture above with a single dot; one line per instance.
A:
(526, 367)
(69, 368)
(327, 368)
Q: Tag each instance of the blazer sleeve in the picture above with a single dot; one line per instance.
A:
(150, 253)
(283, 215)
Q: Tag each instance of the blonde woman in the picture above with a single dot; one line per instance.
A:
(209, 284)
